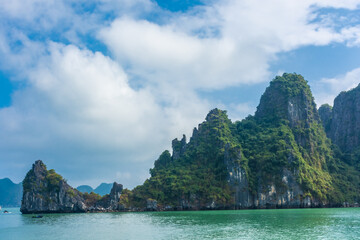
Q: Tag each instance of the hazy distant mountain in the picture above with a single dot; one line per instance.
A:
(10, 193)
(85, 189)
(102, 189)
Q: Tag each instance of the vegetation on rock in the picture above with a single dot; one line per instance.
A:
(45, 191)
(280, 157)
(285, 135)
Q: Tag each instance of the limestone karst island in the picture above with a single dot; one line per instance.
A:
(288, 155)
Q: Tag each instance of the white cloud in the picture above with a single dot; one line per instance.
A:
(347, 4)
(240, 111)
(29, 10)
(353, 34)
(80, 106)
(225, 44)
(163, 55)
(329, 88)
(80, 111)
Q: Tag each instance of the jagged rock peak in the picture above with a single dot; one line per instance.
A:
(116, 192)
(111, 202)
(46, 191)
(39, 169)
(178, 147)
(215, 114)
(288, 98)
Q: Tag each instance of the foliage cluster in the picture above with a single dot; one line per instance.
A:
(285, 134)
(53, 180)
(91, 198)
(199, 176)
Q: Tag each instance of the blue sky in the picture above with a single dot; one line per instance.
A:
(98, 89)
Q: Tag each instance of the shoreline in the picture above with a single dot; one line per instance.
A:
(191, 210)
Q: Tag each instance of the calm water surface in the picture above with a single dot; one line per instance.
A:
(244, 224)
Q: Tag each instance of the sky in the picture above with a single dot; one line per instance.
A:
(98, 89)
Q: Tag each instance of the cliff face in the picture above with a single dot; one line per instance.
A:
(109, 202)
(345, 121)
(45, 191)
(288, 148)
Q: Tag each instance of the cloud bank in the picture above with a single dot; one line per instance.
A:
(108, 84)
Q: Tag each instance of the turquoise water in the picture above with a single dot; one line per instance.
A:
(341, 223)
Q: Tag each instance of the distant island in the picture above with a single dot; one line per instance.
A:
(10, 193)
(288, 155)
(102, 189)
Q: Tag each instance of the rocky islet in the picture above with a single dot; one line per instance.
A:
(282, 157)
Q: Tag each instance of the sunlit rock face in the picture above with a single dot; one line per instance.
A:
(45, 191)
(345, 120)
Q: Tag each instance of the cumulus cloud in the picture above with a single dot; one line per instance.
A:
(161, 53)
(224, 44)
(241, 110)
(329, 88)
(102, 116)
(80, 102)
(353, 34)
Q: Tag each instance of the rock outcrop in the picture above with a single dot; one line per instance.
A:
(278, 158)
(343, 122)
(110, 202)
(151, 205)
(45, 191)
(178, 147)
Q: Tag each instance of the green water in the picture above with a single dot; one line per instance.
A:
(244, 224)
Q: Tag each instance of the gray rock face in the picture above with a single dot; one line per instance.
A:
(111, 202)
(47, 192)
(151, 205)
(115, 194)
(178, 147)
(289, 196)
(237, 177)
(345, 124)
(268, 196)
(41, 195)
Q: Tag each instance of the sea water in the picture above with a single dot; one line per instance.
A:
(335, 223)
